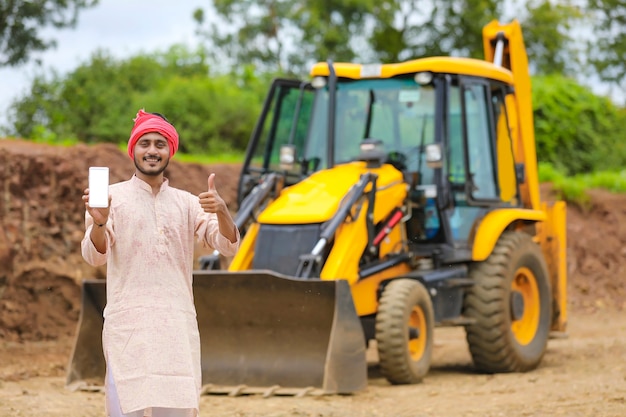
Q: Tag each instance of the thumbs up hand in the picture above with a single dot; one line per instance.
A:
(210, 200)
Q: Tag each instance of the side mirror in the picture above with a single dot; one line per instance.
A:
(287, 157)
(434, 157)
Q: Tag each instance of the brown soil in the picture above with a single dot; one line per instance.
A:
(41, 269)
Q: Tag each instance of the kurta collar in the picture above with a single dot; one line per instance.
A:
(141, 184)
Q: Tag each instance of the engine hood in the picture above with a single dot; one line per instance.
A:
(317, 198)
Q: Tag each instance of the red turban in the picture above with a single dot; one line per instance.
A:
(147, 123)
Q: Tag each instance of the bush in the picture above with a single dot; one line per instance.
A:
(573, 189)
(212, 115)
(576, 131)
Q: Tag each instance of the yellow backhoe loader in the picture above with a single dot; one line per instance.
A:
(377, 202)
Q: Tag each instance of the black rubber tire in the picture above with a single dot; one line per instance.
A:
(497, 341)
(403, 360)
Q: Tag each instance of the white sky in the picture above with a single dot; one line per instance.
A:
(122, 27)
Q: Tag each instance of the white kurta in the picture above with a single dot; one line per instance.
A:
(150, 336)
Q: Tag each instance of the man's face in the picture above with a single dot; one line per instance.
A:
(152, 154)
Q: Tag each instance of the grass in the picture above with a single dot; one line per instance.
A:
(574, 188)
(219, 158)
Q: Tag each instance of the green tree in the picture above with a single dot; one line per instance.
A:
(548, 36)
(20, 22)
(97, 101)
(407, 29)
(92, 103)
(576, 131)
(607, 48)
(287, 36)
(439, 27)
(211, 114)
(283, 36)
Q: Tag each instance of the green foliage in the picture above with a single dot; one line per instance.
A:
(20, 22)
(288, 36)
(211, 114)
(612, 181)
(567, 188)
(94, 102)
(573, 189)
(548, 36)
(98, 101)
(607, 48)
(283, 36)
(43, 135)
(230, 157)
(576, 130)
(213, 158)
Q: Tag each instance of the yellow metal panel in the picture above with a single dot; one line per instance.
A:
(351, 238)
(394, 242)
(494, 223)
(553, 238)
(364, 292)
(317, 198)
(388, 199)
(312, 200)
(516, 60)
(243, 258)
(506, 165)
(343, 260)
(445, 65)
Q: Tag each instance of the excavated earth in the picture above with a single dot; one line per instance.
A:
(41, 213)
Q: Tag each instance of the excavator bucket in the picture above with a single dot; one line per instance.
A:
(261, 333)
(87, 368)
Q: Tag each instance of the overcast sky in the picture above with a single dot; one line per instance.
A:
(122, 27)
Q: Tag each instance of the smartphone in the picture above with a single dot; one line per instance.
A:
(98, 187)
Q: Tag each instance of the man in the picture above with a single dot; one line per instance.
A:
(146, 237)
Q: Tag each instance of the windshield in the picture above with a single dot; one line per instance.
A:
(398, 112)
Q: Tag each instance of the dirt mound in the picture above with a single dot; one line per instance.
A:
(597, 252)
(42, 225)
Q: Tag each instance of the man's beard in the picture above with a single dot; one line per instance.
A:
(151, 173)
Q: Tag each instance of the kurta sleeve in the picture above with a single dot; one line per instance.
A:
(88, 249)
(208, 232)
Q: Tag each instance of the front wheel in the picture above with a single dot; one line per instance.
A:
(404, 331)
(510, 304)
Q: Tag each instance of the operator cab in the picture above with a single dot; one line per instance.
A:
(448, 133)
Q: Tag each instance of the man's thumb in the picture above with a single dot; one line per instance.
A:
(212, 182)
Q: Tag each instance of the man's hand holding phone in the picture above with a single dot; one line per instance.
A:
(96, 197)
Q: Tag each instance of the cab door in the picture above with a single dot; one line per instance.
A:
(284, 120)
(480, 165)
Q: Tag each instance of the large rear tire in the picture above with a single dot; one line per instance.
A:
(404, 331)
(510, 304)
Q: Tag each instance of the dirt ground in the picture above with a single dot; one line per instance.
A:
(582, 374)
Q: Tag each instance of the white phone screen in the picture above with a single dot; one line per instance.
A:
(98, 187)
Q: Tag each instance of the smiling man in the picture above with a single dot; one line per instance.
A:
(146, 237)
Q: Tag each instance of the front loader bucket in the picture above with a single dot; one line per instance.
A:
(263, 332)
(87, 368)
